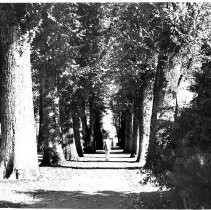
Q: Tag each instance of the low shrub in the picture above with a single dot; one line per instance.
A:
(192, 180)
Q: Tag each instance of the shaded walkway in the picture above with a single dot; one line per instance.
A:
(99, 200)
(110, 186)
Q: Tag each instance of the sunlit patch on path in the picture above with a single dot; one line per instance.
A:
(118, 160)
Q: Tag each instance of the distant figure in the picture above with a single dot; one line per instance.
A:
(107, 147)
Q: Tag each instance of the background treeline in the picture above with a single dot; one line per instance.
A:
(148, 62)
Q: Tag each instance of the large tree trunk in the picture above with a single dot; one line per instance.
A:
(140, 116)
(158, 95)
(90, 145)
(144, 119)
(83, 117)
(122, 129)
(53, 153)
(117, 125)
(128, 131)
(40, 141)
(98, 138)
(18, 155)
(135, 128)
(76, 128)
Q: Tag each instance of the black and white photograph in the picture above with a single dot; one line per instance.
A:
(105, 105)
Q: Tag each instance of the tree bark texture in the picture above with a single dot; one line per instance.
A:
(83, 117)
(128, 131)
(76, 128)
(140, 117)
(18, 154)
(117, 124)
(40, 142)
(135, 127)
(90, 145)
(158, 95)
(98, 138)
(144, 120)
(52, 151)
(122, 129)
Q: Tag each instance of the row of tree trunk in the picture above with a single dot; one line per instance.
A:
(63, 126)
(18, 144)
(138, 126)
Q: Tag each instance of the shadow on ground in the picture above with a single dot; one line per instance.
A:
(97, 200)
(101, 161)
(101, 167)
(113, 151)
(110, 157)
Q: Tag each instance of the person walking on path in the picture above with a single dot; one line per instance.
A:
(107, 146)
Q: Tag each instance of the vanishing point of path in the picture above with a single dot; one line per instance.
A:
(90, 183)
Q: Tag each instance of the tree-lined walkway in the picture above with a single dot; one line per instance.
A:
(94, 183)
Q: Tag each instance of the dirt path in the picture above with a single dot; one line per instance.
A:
(90, 183)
